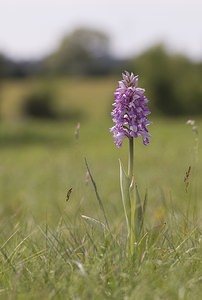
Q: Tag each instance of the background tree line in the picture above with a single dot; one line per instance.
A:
(173, 82)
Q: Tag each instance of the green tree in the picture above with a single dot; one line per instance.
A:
(84, 51)
(172, 81)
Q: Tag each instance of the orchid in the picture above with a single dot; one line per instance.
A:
(130, 112)
(130, 117)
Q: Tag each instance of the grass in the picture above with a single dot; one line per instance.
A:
(48, 250)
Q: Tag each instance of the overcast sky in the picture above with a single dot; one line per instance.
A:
(30, 29)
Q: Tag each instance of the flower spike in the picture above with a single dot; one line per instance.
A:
(130, 112)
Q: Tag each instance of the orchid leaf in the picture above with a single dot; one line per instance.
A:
(139, 216)
(124, 184)
(132, 216)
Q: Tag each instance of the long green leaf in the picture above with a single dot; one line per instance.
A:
(132, 238)
(124, 185)
(138, 213)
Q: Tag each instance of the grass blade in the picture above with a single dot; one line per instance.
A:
(97, 195)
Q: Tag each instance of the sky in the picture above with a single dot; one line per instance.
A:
(31, 29)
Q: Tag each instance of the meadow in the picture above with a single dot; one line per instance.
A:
(58, 248)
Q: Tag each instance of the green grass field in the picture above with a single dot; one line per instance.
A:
(47, 249)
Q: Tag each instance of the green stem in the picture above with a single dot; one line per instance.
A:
(131, 159)
(132, 199)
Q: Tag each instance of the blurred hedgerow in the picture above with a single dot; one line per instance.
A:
(43, 103)
(39, 104)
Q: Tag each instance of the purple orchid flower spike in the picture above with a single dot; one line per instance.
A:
(130, 112)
